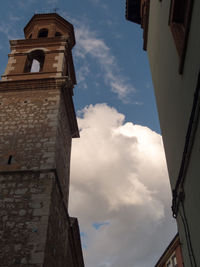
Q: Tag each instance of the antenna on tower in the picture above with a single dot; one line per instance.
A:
(55, 9)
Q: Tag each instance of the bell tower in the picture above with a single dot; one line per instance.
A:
(37, 124)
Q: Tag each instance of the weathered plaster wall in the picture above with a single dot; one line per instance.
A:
(174, 92)
(174, 95)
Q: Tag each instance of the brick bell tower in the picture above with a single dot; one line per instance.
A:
(37, 123)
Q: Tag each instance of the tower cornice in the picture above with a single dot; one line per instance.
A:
(41, 41)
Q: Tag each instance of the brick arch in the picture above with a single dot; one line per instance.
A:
(34, 56)
(38, 48)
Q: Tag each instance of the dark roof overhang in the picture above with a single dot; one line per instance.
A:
(133, 11)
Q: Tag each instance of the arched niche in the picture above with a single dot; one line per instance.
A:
(34, 61)
(58, 34)
(43, 33)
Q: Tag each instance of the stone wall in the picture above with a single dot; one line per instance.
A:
(63, 149)
(37, 125)
(57, 237)
(28, 129)
(74, 249)
(37, 122)
(25, 199)
(63, 246)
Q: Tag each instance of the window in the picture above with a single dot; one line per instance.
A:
(34, 61)
(30, 36)
(58, 34)
(169, 264)
(174, 261)
(179, 21)
(9, 159)
(43, 33)
(144, 10)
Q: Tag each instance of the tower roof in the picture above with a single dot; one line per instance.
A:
(133, 11)
(51, 19)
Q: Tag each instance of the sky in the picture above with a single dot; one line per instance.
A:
(119, 182)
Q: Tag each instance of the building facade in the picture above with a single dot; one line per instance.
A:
(37, 124)
(172, 256)
(172, 40)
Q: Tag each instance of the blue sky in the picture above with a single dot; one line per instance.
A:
(105, 20)
(119, 182)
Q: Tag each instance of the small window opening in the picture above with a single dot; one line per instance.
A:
(9, 159)
(34, 61)
(43, 33)
(174, 261)
(58, 34)
(179, 21)
(179, 11)
(30, 36)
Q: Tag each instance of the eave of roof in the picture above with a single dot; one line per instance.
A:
(133, 11)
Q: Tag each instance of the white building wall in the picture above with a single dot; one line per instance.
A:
(174, 95)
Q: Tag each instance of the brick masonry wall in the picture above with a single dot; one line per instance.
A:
(24, 210)
(52, 27)
(54, 50)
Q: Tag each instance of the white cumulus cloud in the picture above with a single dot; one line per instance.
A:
(119, 190)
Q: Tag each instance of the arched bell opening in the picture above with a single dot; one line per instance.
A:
(43, 33)
(57, 34)
(35, 61)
